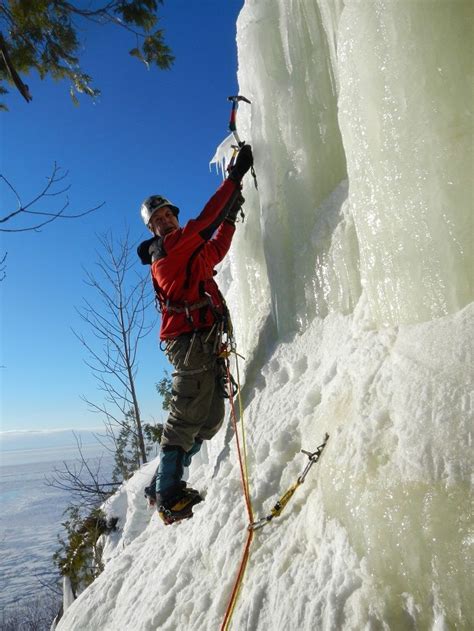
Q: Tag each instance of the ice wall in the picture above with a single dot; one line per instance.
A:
(405, 112)
(362, 131)
(385, 86)
(295, 133)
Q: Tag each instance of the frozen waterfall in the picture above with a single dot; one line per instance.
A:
(363, 123)
(379, 92)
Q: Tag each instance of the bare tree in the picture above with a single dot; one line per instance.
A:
(32, 614)
(26, 216)
(84, 480)
(116, 325)
(3, 266)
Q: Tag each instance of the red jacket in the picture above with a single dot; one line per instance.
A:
(183, 274)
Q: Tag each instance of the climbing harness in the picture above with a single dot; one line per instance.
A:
(221, 329)
(285, 498)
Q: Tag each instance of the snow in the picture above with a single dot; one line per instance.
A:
(68, 595)
(349, 285)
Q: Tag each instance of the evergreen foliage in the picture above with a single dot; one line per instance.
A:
(127, 450)
(165, 390)
(80, 554)
(127, 454)
(44, 36)
(153, 433)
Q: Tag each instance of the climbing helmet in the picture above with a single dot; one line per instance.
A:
(152, 204)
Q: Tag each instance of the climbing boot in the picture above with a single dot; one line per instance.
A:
(170, 471)
(150, 491)
(178, 507)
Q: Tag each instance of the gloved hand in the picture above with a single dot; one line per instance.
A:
(242, 164)
(150, 250)
(234, 210)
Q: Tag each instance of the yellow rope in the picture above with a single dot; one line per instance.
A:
(242, 425)
(246, 486)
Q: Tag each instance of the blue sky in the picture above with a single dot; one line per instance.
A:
(149, 132)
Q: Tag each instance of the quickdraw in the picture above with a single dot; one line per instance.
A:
(285, 498)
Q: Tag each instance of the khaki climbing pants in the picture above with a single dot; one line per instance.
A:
(197, 406)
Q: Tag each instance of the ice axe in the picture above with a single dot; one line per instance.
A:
(233, 117)
(233, 128)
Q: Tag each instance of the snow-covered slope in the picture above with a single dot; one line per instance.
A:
(351, 289)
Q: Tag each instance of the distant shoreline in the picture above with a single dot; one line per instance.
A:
(30, 454)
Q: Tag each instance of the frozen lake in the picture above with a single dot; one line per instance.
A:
(32, 512)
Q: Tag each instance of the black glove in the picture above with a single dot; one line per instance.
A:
(242, 164)
(234, 209)
(150, 250)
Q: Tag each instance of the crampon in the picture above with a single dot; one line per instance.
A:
(180, 509)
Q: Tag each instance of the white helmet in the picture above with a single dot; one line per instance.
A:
(152, 204)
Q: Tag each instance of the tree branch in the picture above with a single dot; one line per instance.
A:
(47, 191)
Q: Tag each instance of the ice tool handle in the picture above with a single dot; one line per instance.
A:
(233, 117)
(233, 128)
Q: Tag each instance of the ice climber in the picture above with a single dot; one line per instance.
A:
(193, 311)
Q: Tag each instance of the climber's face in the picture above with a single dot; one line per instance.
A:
(163, 221)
